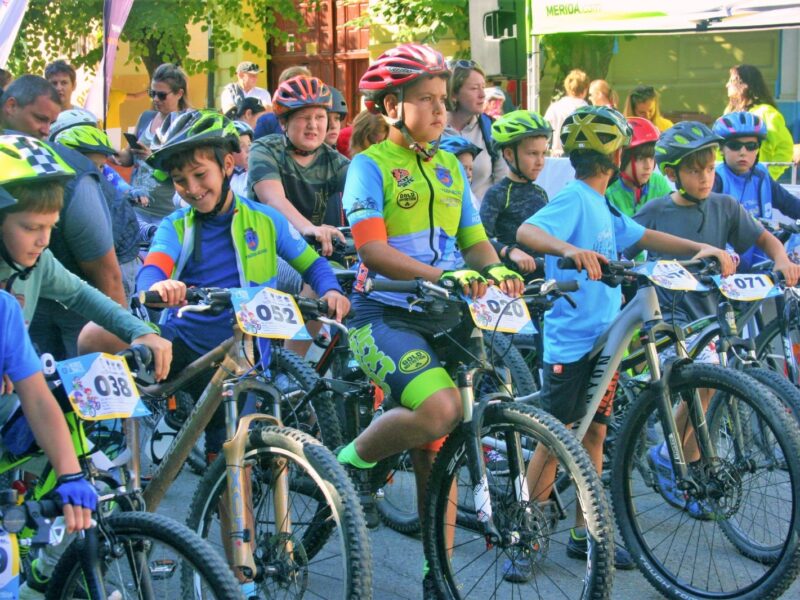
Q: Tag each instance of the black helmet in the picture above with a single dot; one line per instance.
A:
(681, 140)
(339, 106)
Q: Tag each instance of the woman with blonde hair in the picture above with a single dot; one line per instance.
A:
(576, 86)
(601, 94)
(643, 102)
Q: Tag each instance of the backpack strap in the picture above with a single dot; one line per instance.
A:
(485, 123)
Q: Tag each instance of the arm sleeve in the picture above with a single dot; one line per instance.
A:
(785, 202)
(320, 277)
(62, 286)
(86, 224)
(290, 245)
(165, 251)
(19, 358)
(363, 201)
(470, 228)
(116, 180)
(627, 232)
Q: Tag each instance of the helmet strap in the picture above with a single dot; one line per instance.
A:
(19, 273)
(514, 168)
(295, 150)
(425, 153)
(199, 218)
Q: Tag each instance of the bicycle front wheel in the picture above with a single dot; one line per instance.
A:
(737, 534)
(324, 528)
(145, 555)
(530, 560)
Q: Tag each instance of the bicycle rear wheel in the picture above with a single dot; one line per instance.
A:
(331, 556)
(706, 543)
(146, 551)
(534, 534)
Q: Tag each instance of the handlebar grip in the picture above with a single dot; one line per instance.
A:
(51, 508)
(568, 286)
(150, 298)
(566, 263)
(390, 285)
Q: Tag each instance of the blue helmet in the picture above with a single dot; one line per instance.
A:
(740, 124)
(458, 145)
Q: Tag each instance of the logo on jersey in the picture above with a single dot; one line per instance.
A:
(414, 360)
(251, 239)
(443, 174)
(407, 198)
(402, 177)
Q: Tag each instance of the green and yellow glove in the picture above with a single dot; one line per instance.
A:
(460, 278)
(499, 273)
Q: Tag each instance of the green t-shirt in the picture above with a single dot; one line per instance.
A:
(622, 197)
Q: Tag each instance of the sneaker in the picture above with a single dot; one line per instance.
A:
(518, 569)
(578, 548)
(667, 487)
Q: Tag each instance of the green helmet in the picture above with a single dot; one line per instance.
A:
(86, 138)
(24, 158)
(192, 129)
(515, 126)
(597, 128)
(681, 140)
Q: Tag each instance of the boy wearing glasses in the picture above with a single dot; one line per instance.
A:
(741, 175)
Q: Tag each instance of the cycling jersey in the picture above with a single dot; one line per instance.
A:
(420, 208)
(624, 198)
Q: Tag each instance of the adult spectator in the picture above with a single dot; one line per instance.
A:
(747, 91)
(367, 129)
(248, 111)
(601, 94)
(643, 102)
(467, 119)
(297, 173)
(576, 86)
(495, 97)
(83, 241)
(62, 76)
(168, 91)
(244, 87)
(268, 123)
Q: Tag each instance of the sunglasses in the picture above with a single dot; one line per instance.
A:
(160, 95)
(461, 64)
(737, 145)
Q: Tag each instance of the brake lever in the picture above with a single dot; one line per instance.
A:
(569, 299)
(193, 308)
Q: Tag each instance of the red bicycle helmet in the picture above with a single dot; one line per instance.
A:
(644, 132)
(396, 68)
(300, 92)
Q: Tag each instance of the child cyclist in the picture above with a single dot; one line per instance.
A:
(523, 137)
(410, 210)
(580, 224)
(219, 240)
(741, 175)
(638, 181)
(686, 153)
(464, 150)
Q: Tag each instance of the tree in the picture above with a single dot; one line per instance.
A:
(567, 51)
(425, 21)
(157, 31)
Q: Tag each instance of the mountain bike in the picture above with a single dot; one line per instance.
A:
(508, 524)
(676, 513)
(277, 501)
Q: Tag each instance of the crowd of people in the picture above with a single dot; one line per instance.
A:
(433, 179)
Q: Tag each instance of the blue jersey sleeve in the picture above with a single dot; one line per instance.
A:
(18, 359)
(627, 232)
(363, 190)
(560, 218)
(290, 244)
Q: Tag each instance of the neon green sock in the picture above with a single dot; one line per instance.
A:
(349, 456)
(578, 533)
(425, 568)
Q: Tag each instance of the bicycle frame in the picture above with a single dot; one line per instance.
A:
(642, 313)
(228, 383)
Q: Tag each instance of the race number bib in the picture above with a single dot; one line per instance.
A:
(670, 275)
(746, 287)
(9, 566)
(264, 312)
(498, 312)
(100, 387)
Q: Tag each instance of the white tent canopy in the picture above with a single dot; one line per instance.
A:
(660, 16)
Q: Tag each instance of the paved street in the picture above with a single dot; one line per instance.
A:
(397, 559)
